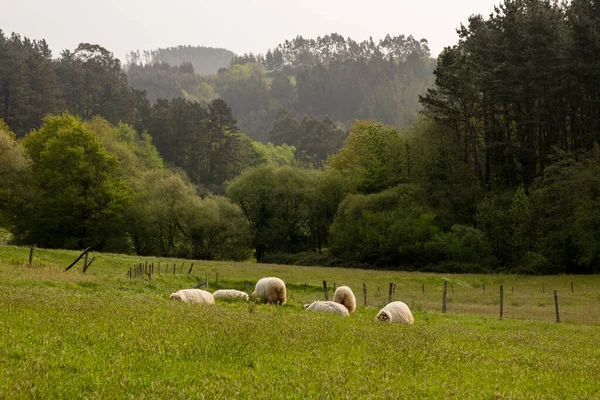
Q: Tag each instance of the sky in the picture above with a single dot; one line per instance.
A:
(238, 25)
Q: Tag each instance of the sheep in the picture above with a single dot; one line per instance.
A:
(270, 290)
(328, 307)
(397, 312)
(193, 296)
(230, 294)
(345, 297)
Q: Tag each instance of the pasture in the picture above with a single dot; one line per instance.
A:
(104, 335)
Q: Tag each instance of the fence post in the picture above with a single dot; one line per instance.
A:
(365, 293)
(444, 298)
(32, 250)
(501, 300)
(556, 305)
(543, 288)
(217, 281)
(159, 267)
(325, 290)
(423, 287)
(304, 287)
(571, 286)
(484, 288)
(190, 270)
(390, 292)
(206, 281)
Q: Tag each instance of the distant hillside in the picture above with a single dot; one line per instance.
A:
(205, 60)
(331, 76)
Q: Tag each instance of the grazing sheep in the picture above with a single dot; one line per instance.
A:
(193, 296)
(270, 290)
(231, 294)
(345, 297)
(397, 312)
(327, 307)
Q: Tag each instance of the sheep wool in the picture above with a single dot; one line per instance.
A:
(396, 312)
(231, 294)
(345, 297)
(270, 290)
(327, 307)
(193, 296)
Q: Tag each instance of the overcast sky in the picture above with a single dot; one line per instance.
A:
(238, 25)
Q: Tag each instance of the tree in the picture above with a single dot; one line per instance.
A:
(372, 154)
(275, 202)
(82, 199)
(15, 177)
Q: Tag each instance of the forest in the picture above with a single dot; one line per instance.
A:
(320, 152)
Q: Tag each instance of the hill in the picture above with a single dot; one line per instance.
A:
(205, 60)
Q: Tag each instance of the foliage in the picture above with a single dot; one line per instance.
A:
(371, 156)
(386, 228)
(82, 199)
(276, 203)
(15, 176)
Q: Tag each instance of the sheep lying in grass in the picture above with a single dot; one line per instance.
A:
(231, 294)
(345, 297)
(328, 307)
(193, 296)
(270, 290)
(397, 312)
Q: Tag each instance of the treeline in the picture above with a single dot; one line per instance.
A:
(200, 59)
(87, 81)
(74, 184)
(300, 52)
(329, 77)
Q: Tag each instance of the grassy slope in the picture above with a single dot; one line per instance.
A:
(101, 335)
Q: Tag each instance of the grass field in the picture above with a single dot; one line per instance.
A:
(103, 335)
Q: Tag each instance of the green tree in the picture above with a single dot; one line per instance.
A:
(275, 202)
(82, 199)
(15, 177)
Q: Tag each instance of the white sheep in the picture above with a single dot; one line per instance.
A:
(193, 296)
(344, 296)
(328, 307)
(270, 290)
(231, 294)
(397, 312)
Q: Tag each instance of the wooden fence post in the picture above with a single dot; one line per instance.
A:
(423, 287)
(394, 288)
(325, 290)
(190, 270)
(501, 301)
(571, 286)
(31, 251)
(334, 286)
(206, 281)
(77, 259)
(365, 293)
(444, 298)
(159, 267)
(452, 287)
(217, 281)
(85, 268)
(556, 305)
(543, 288)
(484, 288)
(390, 292)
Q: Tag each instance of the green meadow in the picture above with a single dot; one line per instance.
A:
(104, 335)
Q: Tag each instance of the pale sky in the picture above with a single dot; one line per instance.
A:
(238, 25)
